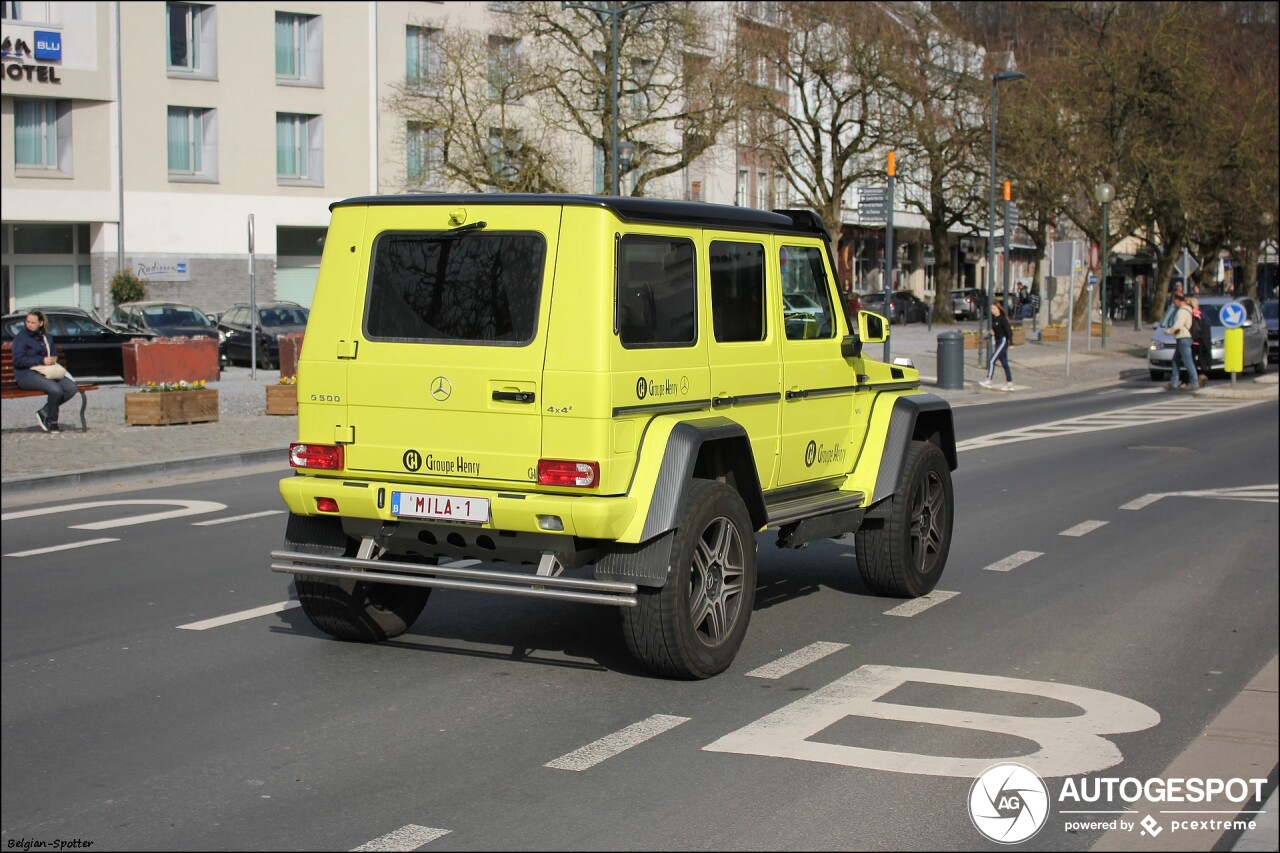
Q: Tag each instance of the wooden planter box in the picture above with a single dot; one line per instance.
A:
(169, 360)
(1053, 333)
(970, 341)
(170, 407)
(1019, 336)
(1096, 328)
(282, 399)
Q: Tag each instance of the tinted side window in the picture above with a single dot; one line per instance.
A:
(803, 273)
(473, 287)
(657, 294)
(737, 291)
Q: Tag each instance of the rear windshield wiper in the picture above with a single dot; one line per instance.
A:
(462, 229)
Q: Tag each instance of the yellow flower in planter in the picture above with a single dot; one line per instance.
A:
(287, 380)
(184, 385)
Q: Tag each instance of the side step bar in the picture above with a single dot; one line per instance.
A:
(582, 590)
(823, 503)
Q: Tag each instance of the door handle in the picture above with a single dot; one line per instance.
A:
(514, 396)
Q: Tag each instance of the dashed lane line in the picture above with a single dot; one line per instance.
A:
(616, 743)
(1013, 561)
(409, 837)
(919, 605)
(66, 546)
(1083, 527)
(244, 517)
(797, 659)
(243, 615)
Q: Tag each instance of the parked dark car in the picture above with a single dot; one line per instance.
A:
(905, 307)
(274, 319)
(168, 320)
(1270, 310)
(91, 348)
(968, 303)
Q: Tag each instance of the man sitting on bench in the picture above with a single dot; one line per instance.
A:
(34, 354)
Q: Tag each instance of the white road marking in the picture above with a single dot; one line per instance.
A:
(1165, 410)
(1082, 528)
(1013, 561)
(64, 547)
(921, 604)
(801, 657)
(187, 508)
(219, 621)
(1066, 745)
(237, 517)
(409, 837)
(1269, 493)
(620, 741)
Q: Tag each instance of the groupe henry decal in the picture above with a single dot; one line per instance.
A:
(821, 454)
(415, 461)
(661, 387)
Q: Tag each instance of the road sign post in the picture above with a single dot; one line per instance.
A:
(1232, 316)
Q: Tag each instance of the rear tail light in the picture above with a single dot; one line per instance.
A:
(563, 472)
(327, 457)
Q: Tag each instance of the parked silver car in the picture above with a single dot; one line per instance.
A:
(1160, 353)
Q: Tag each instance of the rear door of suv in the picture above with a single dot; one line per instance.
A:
(445, 366)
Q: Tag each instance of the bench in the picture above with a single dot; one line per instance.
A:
(9, 386)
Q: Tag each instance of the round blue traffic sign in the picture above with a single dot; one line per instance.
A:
(1232, 315)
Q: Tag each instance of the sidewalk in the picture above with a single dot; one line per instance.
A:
(112, 452)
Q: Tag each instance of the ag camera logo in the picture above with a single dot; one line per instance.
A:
(1008, 803)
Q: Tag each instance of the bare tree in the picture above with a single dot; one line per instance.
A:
(479, 130)
(812, 105)
(677, 81)
(936, 117)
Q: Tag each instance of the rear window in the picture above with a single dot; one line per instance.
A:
(467, 288)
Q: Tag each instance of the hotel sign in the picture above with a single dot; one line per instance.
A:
(18, 45)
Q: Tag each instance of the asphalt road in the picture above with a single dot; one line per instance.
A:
(133, 722)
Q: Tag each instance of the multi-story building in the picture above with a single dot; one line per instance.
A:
(194, 142)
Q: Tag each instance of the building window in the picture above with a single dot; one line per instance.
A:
(422, 156)
(36, 13)
(642, 79)
(762, 190)
(740, 192)
(299, 143)
(191, 47)
(193, 143)
(504, 59)
(42, 135)
(422, 57)
(298, 40)
(504, 149)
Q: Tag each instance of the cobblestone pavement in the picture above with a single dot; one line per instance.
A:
(245, 435)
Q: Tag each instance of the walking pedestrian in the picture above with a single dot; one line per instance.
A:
(1180, 327)
(1201, 341)
(1001, 335)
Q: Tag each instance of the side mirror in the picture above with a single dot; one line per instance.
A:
(872, 328)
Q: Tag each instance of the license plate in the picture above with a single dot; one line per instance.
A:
(440, 507)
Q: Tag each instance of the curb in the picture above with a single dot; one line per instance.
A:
(29, 484)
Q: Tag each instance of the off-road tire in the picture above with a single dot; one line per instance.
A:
(693, 626)
(349, 609)
(902, 552)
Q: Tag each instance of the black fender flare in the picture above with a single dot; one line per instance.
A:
(916, 416)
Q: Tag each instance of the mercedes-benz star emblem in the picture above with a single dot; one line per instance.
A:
(441, 388)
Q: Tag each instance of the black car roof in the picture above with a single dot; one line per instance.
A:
(649, 210)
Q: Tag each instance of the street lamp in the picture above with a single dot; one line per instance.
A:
(615, 11)
(1104, 193)
(996, 79)
(1267, 286)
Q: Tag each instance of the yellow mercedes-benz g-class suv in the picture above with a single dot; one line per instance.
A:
(600, 400)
